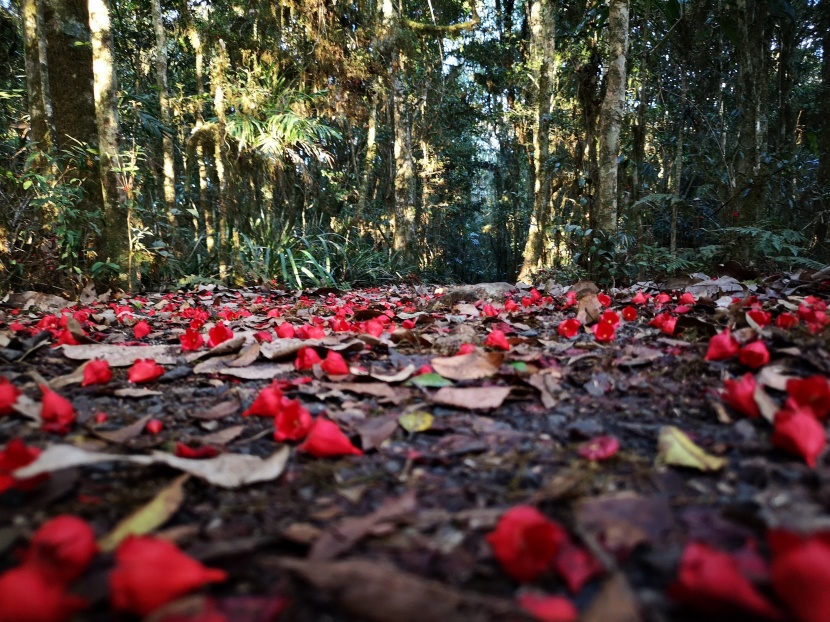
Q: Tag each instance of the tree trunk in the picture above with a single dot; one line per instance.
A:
(114, 245)
(37, 75)
(220, 66)
(542, 33)
(168, 171)
(611, 115)
(824, 145)
(678, 163)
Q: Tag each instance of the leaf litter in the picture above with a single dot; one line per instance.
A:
(652, 431)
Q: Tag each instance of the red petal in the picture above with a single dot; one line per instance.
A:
(17, 454)
(568, 328)
(497, 339)
(293, 422)
(150, 573)
(334, 364)
(8, 396)
(525, 542)
(27, 596)
(326, 440)
(97, 371)
(812, 392)
(285, 331)
(57, 412)
(798, 431)
(267, 404)
(801, 578)
(306, 358)
(740, 395)
(576, 566)
(722, 346)
(754, 355)
(204, 452)
(548, 608)
(141, 330)
(219, 334)
(62, 548)
(599, 448)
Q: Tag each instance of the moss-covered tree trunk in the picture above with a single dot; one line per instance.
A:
(168, 168)
(37, 75)
(823, 224)
(114, 245)
(611, 115)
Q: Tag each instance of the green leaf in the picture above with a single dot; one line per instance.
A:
(432, 381)
(418, 421)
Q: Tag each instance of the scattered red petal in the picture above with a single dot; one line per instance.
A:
(101, 417)
(639, 299)
(489, 310)
(722, 346)
(526, 542)
(548, 608)
(306, 358)
(325, 440)
(27, 596)
(576, 565)
(798, 431)
(604, 299)
(56, 413)
(97, 371)
(219, 334)
(141, 330)
(286, 330)
(786, 321)
(710, 581)
(8, 396)
(264, 336)
(599, 448)
(812, 392)
(801, 579)
(196, 453)
(740, 395)
(62, 549)
(687, 299)
(334, 364)
(511, 305)
(144, 370)
(497, 339)
(760, 317)
(465, 348)
(16, 455)
(150, 572)
(754, 355)
(154, 426)
(293, 422)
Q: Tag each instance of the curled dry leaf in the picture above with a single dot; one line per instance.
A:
(677, 449)
(473, 366)
(472, 398)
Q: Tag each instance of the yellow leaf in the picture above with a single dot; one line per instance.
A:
(416, 421)
(677, 449)
(147, 518)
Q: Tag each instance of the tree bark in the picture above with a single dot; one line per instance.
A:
(824, 145)
(114, 244)
(168, 170)
(37, 76)
(220, 66)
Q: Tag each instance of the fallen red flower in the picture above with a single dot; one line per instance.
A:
(267, 403)
(264, 336)
(154, 426)
(293, 422)
(629, 313)
(568, 328)
(465, 348)
(722, 346)
(760, 317)
(497, 339)
(56, 413)
(639, 299)
(150, 572)
(548, 608)
(801, 579)
(16, 455)
(205, 452)
(334, 364)
(599, 448)
(141, 330)
(27, 596)
(786, 321)
(511, 305)
(526, 542)
(489, 310)
(62, 549)
(286, 330)
(8, 396)
(709, 581)
(191, 340)
(687, 299)
(96, 371)
(798, 431)
(326, 440)
(812, 392)
(740, 395)
(219, 334)
(603, 331)
(144, 370)
(576, 565)
(754, 355)
(604, 299)
(306, 358)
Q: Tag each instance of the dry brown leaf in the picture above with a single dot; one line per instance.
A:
(547, 384)
(765, 403)
(126, 433)
(588, 310)
(281, 348)
(473, 398)
(76, 377)
(615, 602)
(222, 437)
(226, 470)
(774, 377)
(123, 356)
(246, 357)
(135, 392)
(380, 390)
(376, 430)
(473, 366)
(339, 538)
(218, 411)
(398, 376)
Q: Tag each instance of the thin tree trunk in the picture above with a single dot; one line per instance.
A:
(678, 163)
(168, 171)
(37, 75)
(368, 163)
(824, 146)
(220, 159)
(611, 115)
(115, 242)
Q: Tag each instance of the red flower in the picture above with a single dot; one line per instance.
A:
(97, 371)
(812, 392)
(66, 338)
(286, 330)
(191, 340)
(801, 578)
(325, 440)
(293, 422)
(576, 566)
(465, 348)
(154, 426)
(219, 334)
(687, 299)
(798, 431)
(372, 327)
(27, 596)
(267, 404)
(760, 317)
(722, 346)
(548, 608)
(144, 370)
(306, 358)
(204, 452)
(754, 355)
(603, 331)
(786, 321)
(511, 305)
(570, 300)
(408, 324)
(740, 395)
(489, 310)
(264, 335)
(62, 549)
(629, 313)
(141, 330)
(599, 448)
(604, 299)
(639, 299)
(497, 339)
(150, 572)
(57, 412)
(334, 364)
(16, 455)
(662, 298)
(525, 542)
(568, 328)
(611, 316)
(710, 581)
(8, 396)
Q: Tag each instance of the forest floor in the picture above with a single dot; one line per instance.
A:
(453, 455)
